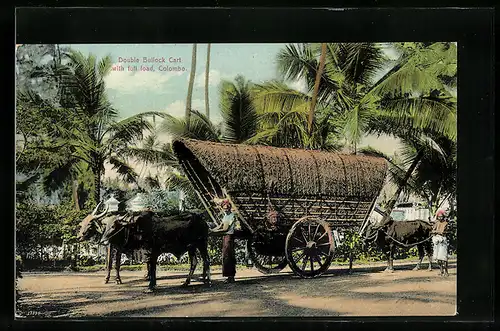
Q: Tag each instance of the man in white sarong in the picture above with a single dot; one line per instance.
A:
(439, 231)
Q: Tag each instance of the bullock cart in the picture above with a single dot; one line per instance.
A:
(290, 202)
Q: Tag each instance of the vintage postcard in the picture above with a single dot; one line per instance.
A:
(236, 180)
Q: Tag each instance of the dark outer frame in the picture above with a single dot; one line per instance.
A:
(471, 28)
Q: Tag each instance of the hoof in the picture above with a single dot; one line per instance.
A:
(118, 282)
(106, 281)
(389, 270)
(185, 284)
(416, 268)
(149, 290)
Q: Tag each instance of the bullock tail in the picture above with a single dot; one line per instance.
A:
(408, 245)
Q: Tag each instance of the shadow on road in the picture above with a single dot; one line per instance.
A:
(264, 291)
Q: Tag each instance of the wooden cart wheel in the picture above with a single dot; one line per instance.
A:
(309, 247)
(266, 264)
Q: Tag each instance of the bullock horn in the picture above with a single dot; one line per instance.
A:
(103, 213)
(96, 208)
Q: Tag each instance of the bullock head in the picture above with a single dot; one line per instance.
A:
(90, 226)
(113, 227)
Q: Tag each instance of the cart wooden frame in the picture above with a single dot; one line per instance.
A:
(289, 201)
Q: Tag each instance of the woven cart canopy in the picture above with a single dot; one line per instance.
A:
(283, 171)
(338, 188)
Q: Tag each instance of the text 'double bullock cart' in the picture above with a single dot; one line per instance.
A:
(288, 200)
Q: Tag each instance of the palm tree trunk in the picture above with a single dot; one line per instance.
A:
(316, 86)
(409, 172)
(97, 186)
(75, 195)
(207, 73)
(190, 86)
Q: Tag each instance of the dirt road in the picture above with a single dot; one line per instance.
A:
(367, 292)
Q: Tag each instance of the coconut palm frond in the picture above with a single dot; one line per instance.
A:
(152, 182)
(58, 175)
(275, 96)
(104, 66)
(302, 61)
(123, 169)
(295, 61)
(158, 157)
(200, 127)
(434, 114)
(371, 151)
(362, 62)
(238, 111)
(180, 183)
(263, 137)
(128, 130)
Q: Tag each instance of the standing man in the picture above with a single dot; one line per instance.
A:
(439, 231)
(228, 249)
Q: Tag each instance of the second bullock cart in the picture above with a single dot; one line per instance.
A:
(290, 202)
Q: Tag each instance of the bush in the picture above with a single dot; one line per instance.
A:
(86, 261)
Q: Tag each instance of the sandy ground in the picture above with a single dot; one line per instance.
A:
(368, 291)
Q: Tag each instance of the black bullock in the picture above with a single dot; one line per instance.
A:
(92, 228)
(178, 234)
(404, 234)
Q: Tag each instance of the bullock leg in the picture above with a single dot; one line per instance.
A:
(446, 274)
(429, 255)
(152, 271)
(109, 264)
(440, 263)
(148, 271)
(118, 260)
(421, 254)
(206, 264)
(390, 254)
(193, 261)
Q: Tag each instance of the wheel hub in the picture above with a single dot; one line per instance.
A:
(311, 244)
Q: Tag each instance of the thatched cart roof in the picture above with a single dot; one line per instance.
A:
(282, 171)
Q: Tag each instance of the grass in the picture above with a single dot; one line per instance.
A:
(185, 266)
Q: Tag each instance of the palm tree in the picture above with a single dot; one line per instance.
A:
(191, 83)
(316, 86)
(207, 73)
(412, 94)
(239, 116)
(91, 131)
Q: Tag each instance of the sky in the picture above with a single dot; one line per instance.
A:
(132, 91)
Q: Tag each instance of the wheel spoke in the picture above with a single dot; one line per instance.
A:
(304, 263)
(298, 249)
(300, 257)
(318, 259)
(316, 232)
(325, 244)
(309, 231)
(299, 240)
(322, 235)
(303, 235)
(312, 263)
(322, 253)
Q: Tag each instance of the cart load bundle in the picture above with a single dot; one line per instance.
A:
(338, 188)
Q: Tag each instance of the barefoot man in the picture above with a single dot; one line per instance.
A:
(440, 242)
